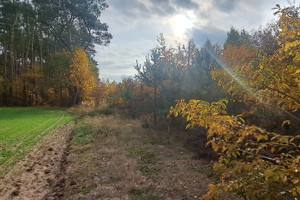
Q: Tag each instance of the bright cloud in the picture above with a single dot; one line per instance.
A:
(135, 24)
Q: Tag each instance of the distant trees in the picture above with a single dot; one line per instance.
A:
(152, 72)
(182, 72)
(32, 33)
(236, 38)
(265, 39)
(166, 75)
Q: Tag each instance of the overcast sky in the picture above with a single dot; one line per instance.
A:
(135, 25)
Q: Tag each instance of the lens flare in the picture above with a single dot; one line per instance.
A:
(249, 90)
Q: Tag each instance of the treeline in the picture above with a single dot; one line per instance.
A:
(41, 42)
(167, 74)
(245, 71)
(255, 129)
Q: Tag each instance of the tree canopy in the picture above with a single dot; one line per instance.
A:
(43, 34)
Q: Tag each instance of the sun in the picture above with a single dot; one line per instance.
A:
(181, 23)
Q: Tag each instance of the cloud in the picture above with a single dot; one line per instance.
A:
(225, 5)
(135, 25)
(215, 35)
(120, 57)
(140, 9)
(186, 4)
(117, 72)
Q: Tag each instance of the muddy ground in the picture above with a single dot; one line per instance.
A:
(35, 176)
(111, 157)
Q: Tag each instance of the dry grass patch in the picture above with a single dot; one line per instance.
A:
(112, 157)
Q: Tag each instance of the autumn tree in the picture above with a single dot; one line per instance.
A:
(83, 82)
(254, 163)
(265, 39)
(237, 71)
(269, 80)
(31, 32)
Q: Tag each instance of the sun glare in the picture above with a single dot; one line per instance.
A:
(181, 23)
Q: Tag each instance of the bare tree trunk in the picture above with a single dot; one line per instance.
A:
(11, 57)
(154, 113)
(5, 61)
(23, 63)
(41, 51)
(32, 49)
(16, 65)
(11, 45)
(24, 94)
(26, 65)
(75, 95)
(27, 48)
(70, 36)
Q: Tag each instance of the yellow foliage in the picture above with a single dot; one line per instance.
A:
(51, 91)
(271, 80)
(33, 74)
(80, 74)
(254, 163)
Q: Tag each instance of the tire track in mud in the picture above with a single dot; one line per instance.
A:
(41, 174)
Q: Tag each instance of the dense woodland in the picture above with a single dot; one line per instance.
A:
(46, 50)
(248, 89)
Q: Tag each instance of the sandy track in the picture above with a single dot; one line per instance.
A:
(41, 173)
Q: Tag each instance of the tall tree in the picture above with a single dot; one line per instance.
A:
(30, 34)
(151, 74)
(83, 82)
(74, 23)
(236, 38)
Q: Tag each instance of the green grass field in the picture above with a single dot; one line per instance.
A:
(22, 128)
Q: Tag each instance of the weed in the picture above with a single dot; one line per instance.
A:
(144, 193)
(139, 191)
(145, 125)
(87, 190)
(144, 156)
(147, 161)
(207, 170)
(85, 131)
(114, 179)
(148, 197)
(103, 111)
(26, 165)
(149, 171)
